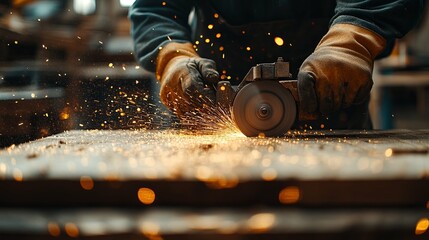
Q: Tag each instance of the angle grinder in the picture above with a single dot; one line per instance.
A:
(266, 101)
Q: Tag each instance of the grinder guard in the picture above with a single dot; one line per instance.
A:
(265, 102)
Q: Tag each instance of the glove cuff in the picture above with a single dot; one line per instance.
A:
(170, 51)
(355, 38)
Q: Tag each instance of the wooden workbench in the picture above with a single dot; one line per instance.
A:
(374, 183)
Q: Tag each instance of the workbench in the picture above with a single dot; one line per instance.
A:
(174, 184)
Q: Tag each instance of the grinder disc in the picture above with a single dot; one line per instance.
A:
(264, 107)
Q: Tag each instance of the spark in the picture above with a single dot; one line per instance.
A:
(86, 183)
(422, 226)
(146, 196)
(279, 41)
(54, 229)
(289, 195)
(388, 152)
(71, 230)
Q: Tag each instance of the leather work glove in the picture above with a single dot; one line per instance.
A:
(338, 74)
(186, 79)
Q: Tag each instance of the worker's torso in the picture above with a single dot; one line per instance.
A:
(238, 12)
(238, 34)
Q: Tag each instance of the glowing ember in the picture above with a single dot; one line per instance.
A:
(146, 196)
(86, 183)
(150, 229)
(269, 174)
(388, 152)
(71, 229)
(17, 175)
(261, 222)
(422, 226)
(279, 41)
(54, 229)
(289, 195)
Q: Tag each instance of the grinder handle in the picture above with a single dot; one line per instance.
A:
(292, 86)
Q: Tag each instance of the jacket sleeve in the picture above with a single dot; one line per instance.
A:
(154, 23)
(389, 18)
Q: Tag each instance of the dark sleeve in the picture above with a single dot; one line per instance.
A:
(390, 18)
(154, 23)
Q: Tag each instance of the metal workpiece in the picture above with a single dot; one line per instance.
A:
(319, 168)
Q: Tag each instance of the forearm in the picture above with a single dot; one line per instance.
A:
(390, 19)
(154, 24)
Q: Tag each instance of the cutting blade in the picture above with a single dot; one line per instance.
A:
(264, 108)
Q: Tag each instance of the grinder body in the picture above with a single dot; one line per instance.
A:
(265, 103)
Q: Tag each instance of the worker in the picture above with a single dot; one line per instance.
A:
(331, 46)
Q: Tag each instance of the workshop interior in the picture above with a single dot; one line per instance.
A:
(68, 75)
(70, 65)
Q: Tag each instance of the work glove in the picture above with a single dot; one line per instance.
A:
(187, 80)
(338, 74)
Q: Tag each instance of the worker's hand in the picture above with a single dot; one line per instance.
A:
(339, 72)
(187, 80)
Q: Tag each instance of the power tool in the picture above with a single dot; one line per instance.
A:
(265, 103)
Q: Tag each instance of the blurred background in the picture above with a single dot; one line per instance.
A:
(69, 64)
